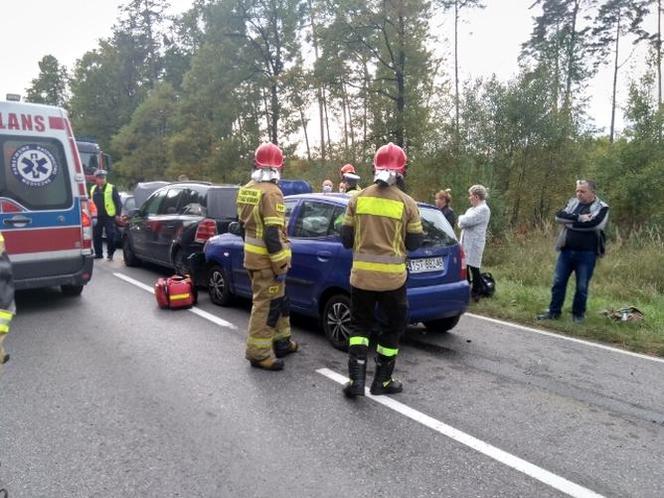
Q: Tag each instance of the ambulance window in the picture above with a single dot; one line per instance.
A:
(34, 172)
(151, 206)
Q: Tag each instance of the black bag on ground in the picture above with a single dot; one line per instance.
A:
(488, 284)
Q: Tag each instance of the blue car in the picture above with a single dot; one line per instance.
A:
(318, 282)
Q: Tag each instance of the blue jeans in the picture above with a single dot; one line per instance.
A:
(583, 264)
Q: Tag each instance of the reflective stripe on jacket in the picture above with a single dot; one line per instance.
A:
(381, 217)
(7, 307)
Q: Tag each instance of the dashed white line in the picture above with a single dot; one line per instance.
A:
(566, 338)
(195, 310)
(532, 470)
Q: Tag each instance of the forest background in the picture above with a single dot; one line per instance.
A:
(330, 80)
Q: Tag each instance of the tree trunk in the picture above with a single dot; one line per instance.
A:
(570, 57)
(319, 93)
(306, 135)
(456, 75)
(350, 120)
(401, 84)
(615, 80)
(274, 128)
(659, 53)
(327, 119)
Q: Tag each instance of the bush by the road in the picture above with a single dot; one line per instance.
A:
(632, 273)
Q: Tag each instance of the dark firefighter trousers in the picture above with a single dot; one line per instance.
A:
(391, 308)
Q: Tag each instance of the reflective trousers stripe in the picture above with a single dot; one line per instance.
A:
(386, 351)
(280, 256)
(259, 342)
(255, 249)
(379, 267)
(358, 341)
(4, 329)
(6, 316)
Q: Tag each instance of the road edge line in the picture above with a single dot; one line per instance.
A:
(555, 335)
(538, 473)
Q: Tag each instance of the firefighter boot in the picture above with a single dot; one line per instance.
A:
(268, 363)
(383, 382)
(285, 347)
(357, 371)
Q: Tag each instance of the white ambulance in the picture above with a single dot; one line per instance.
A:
(44, 214)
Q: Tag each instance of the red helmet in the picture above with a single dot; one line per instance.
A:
(390, 157)
(268, 156)
(347, 168)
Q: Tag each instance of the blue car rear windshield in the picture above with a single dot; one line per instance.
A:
(437, 230)
(34, 172)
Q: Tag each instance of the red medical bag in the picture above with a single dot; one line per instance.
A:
(175, 292)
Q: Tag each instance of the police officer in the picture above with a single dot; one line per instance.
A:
(267, 257)
(380, 225)
(108, 203)
(7, 307)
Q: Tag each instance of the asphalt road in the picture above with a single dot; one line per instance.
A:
(106, 395)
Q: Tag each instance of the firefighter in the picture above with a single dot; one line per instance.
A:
(349, 179)
(267, 256)
(109, 206)
(380, 225)
(7, 307)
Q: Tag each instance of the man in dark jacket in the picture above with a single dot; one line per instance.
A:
(580, 242)
(109, 206)
(7, 307)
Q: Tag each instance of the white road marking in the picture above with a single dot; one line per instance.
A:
(538, 473)
(195, 310)
(566, 338)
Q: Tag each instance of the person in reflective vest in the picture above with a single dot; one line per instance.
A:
(109, 206)
(381, 223)
(267, 257)
(7, 307)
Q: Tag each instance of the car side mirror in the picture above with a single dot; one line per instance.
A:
(235, 228)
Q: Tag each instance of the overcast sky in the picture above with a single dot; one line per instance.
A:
(490, 41)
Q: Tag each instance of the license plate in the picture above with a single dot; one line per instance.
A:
(425, 265)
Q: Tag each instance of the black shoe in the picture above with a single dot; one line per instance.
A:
(285, 347)
(548, 316)
(99, 256)
(4, 359)
(268, 364)
(357, 372)
(110, 257)
(578, 318)
(383, 382)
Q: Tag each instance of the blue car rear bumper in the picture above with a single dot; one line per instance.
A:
(439, 301)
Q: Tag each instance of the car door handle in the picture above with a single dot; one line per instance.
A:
(323, 255)
(18, 221)
(171, 225)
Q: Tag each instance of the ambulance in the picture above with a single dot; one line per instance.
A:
(44, 211)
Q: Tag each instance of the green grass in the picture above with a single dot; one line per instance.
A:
(631, 274)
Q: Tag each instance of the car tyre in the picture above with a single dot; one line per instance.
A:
(442, 325)
(335, 321)
(218, 286)
(71, 290)
(130, 258)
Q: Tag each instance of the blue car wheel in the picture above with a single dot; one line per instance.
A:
(218, 288)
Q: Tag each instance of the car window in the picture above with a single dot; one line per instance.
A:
(437, 230)
(151, 206)
(34, 172)
(290, 206)
(193, 202)
(338, 219)
(315, 219)
(170, 203)
(130, 204)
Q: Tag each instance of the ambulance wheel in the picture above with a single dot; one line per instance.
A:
(130, 258)
(442, 324)
(336, 321)
(71, 290)
(217, 281)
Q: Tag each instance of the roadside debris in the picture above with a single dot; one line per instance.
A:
(626, 314)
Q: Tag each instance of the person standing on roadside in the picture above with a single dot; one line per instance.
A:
(109, 206)
(267, 256)
(443, 201)
(381, 223)
(474, 223)
(7, 306)
(580, 242)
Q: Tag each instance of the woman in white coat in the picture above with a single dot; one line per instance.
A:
(473, 224)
